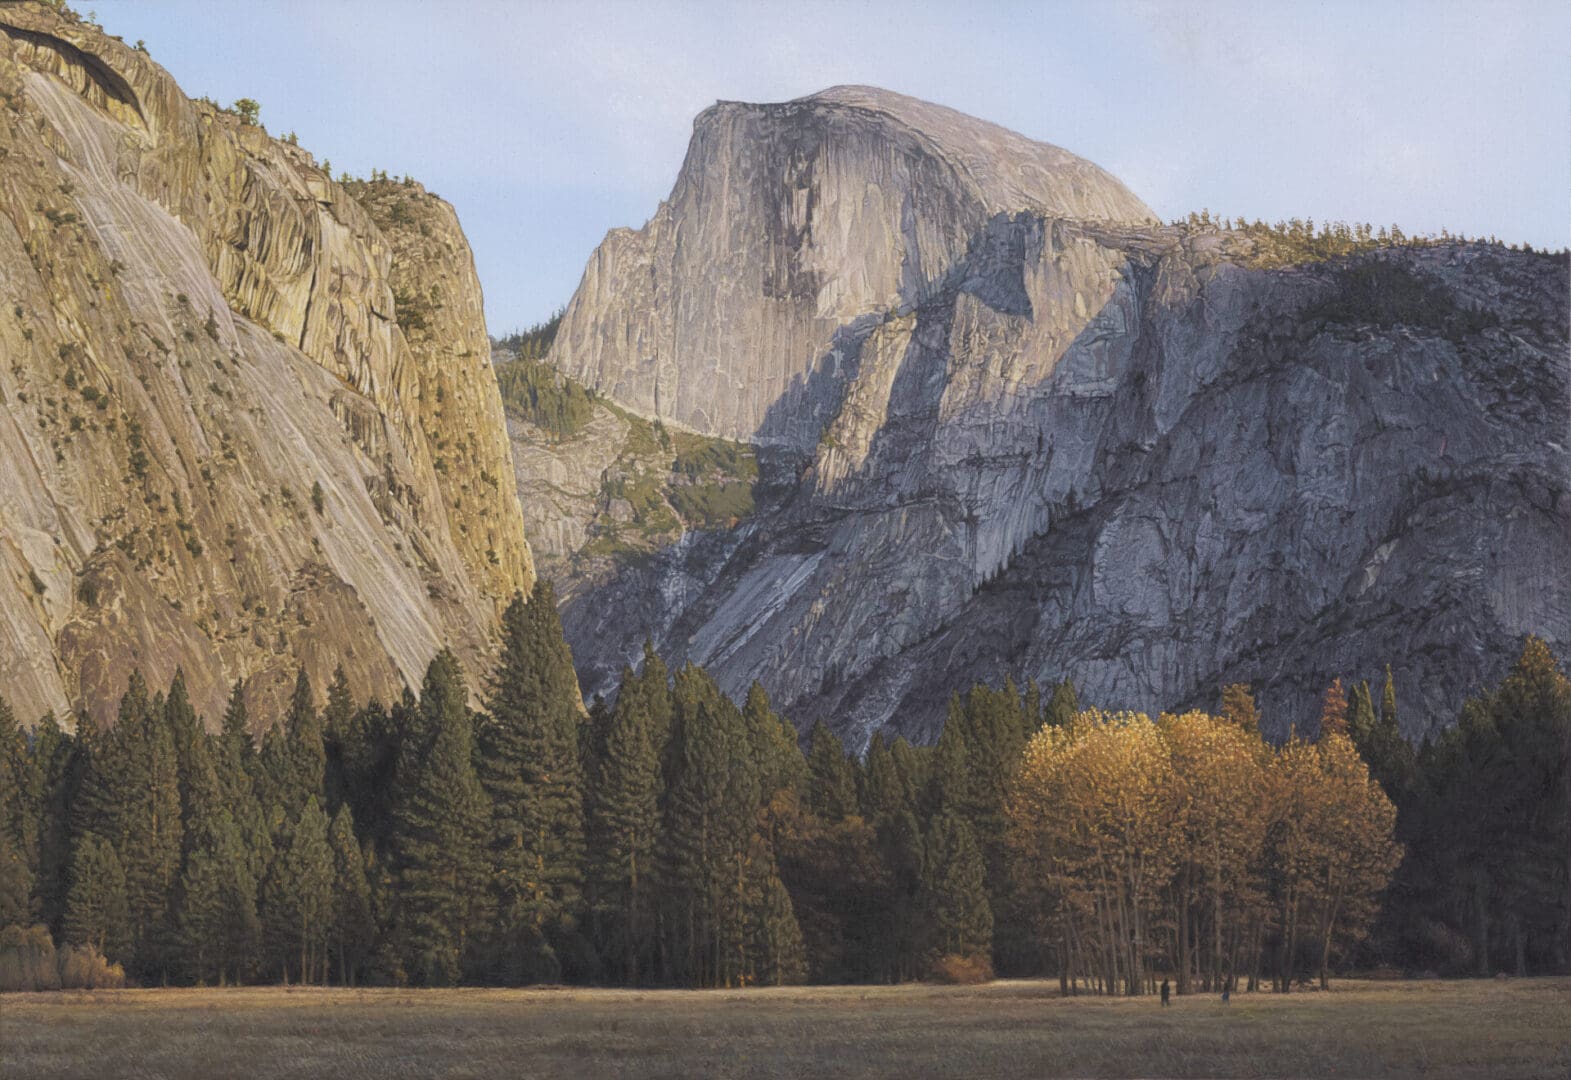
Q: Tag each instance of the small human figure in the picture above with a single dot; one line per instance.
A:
(1166, 991)
(1227, 991)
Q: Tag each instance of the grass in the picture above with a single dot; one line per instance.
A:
(1518, 1028)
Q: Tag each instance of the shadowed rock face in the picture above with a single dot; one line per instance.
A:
(200, 330)
(1036, 437)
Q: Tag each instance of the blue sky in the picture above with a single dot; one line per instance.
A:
(547, 124)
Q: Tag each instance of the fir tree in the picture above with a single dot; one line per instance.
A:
(16, 885)
(956, 919)
(710, 806)
(337, 729)
(530, 770)
(152, 839)
(622, 822)
(831, 777)
(218, 924)
(201, 793)
(439, 830)
(56, 774)
(297, 896)
(18, 798)
(353, 933)
(1063, 705)
(96, 910)
(777, 758)
(777, 952)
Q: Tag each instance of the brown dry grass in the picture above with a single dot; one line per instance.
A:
(1515, 1028)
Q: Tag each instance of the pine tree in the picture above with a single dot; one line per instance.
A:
(831, 777)
(439, 830)
(955, 917)
(96, 910)
(710, 813)
(152, 839)
(18, 801)
(1063, 705)
(56, 774)
(884, 793)
(353, 933)
(529, 766)
(1360, 716)
(16, 885)
(337, 729)
(777, 757)
(307, 753)
(655, 685)
(201, 792)
(297, 896)
(218, 925)
(778, 955)
(622, 822)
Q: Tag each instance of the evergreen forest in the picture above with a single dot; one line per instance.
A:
(676, 838)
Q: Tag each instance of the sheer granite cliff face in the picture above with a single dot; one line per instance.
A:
(247, 415)
(738, 309)
(1051, 440)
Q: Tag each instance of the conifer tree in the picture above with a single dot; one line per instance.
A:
(439, 830)
(884, 794)
(353, 933)
(529, 766)
(776, 755)
(776, 949)
(831, 777)
(108, 782)
(18, 801)
(710, 806)
(201, 793)
(306, 769)
(96, 911)
(16, 885)
(622, 823)
(655, 685)
(219, 929)
(152, 839)
(56, 773)
(297, 896)
(337, 728)
(1063, 705)
(956, 919)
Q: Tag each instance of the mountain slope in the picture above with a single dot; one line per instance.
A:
(1049, 439)
(248, 421)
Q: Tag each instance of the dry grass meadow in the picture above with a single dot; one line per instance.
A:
(1509, 1028)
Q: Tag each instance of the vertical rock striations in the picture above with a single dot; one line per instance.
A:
(738, 309)
(1041, 436)
(247, 417)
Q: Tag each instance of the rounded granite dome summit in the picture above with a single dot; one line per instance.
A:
(1010, 171)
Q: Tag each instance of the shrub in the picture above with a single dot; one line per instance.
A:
(29, 962)
(956, 970)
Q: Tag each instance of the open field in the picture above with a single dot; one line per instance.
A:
(1515, 1028)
